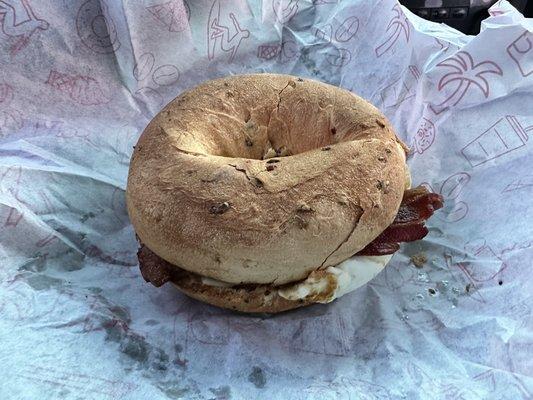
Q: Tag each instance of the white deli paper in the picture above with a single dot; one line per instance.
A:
(79, 80)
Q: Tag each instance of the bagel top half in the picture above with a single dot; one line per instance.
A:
(264, 178)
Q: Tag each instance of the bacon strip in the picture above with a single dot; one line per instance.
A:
(153, 268)
(417, 206)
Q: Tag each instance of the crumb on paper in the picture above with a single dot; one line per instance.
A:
(419, 259)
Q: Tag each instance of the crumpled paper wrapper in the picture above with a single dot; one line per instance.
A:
(78, 84)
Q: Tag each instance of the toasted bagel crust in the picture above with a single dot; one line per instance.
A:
(264, 178)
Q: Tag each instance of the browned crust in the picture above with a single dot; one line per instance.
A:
(200, 196)
(253, 299)
(245, 298)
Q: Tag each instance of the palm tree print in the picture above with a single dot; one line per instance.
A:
(396, 26)
(466, 73)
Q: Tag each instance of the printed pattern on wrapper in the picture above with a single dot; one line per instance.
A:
(335, 36)
(223, 37)
(505, 136)
(465, 74)
(84, 90)
(152, 76)
(96, 29)
(10, 118)
(174, 15)
(435, 86)
(284, 10)
(521, 51)
(397, 29)
(19, 21)
(454, 210)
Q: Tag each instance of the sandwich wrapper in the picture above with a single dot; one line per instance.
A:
(77, 321)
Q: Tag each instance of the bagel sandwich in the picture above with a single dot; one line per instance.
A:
(263, 193)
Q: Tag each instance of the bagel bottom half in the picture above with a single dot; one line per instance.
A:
(321, 286)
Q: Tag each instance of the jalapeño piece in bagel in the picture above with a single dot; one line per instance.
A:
(265, 192)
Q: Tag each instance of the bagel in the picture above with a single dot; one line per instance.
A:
(251, 189)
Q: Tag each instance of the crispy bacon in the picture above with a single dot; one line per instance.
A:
(417, 206)
(153, 268)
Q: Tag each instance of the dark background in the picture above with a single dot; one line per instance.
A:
(464, 15)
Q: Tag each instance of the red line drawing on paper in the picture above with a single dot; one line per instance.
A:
(143, 66)
(206, 326)
(521, 183)
(425, 135)
(149, 92)
(268, 51)
(20, 21)
(396, 275)
(80, 88)
(289, 51)
(118, 205)
(77, 382)
(326, 334)
(163, 75)
(173, 15)
(520, 312)
(6, 94)
(415, 72)
(393, 94)
(338, 57)
(397, 25)
(10, 118)
(428, 386)
(46, 240)
(96, 28)
(166, 75)
(528, 244)
(219, 36)
(451, 188)
(209, 328)
(285, 51)
(347, 30)
(10, 180)
(466, 73)
(521, 51)
(454, 265)
(16, 301)
(39, 126)
(489, 377)
(324, 33)
(285, 9)
(456, 213)
(443, 46)
(344, 32)
(504, 136)
(480, 250)
(59, 129)
(49, 208)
